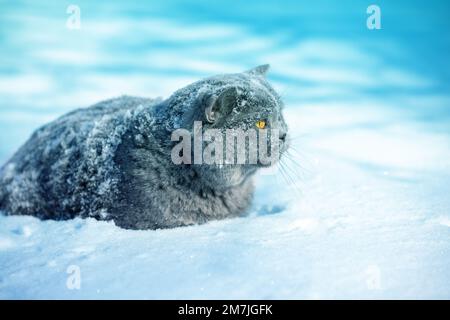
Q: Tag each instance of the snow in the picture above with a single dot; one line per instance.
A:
(352, 226)
(364, 212)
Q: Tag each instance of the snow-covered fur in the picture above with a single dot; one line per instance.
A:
(112, 161)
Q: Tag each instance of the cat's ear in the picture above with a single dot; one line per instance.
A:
(259, 70)
(221, 105)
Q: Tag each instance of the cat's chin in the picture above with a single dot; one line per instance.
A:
(227, 176)
(262, 165)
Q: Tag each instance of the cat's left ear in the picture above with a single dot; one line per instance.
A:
(218, 106)
(259, 70)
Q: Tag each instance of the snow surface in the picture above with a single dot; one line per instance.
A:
(354, 225)
(367, 213)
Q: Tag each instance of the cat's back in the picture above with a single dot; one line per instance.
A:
(66, 158)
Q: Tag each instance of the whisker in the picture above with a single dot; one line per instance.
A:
(292, 181)
(294, 168)
(286, 179)
(294, 160)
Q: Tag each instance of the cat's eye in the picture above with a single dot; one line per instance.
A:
(261, 124)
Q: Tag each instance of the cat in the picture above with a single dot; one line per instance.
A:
(112, 161)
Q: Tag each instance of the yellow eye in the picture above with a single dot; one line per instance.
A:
(261, 124)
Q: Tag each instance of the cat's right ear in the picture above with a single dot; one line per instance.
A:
(260, 71)
(221, 105)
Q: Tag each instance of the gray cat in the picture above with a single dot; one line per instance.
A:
(112, 161)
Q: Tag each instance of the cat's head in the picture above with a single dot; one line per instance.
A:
(233, 103)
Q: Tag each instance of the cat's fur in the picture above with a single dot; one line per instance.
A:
(112, 161)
